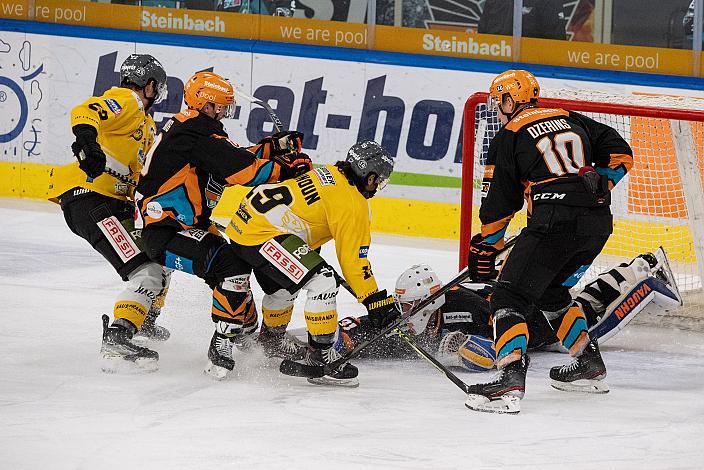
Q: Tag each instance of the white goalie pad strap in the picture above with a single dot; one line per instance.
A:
(119, 238)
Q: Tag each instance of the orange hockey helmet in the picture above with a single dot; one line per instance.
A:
(521, 85)
(208, 87)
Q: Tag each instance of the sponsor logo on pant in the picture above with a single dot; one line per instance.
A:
(283, 260)
(119, 238)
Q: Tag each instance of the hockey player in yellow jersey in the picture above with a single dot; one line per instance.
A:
(277, 229)
(113, 134)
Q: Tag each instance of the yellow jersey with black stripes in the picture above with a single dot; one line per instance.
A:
(125, 133)
(318, 206)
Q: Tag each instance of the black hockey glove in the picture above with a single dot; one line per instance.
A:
(292, 165)
(91, 158)
(281, 143)
(482, 260)
(381, 308)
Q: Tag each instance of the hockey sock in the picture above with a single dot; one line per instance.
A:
(277, 308)
(235, 306)
(571, 329)
(511, 333)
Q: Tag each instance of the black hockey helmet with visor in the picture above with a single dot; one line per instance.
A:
(140, 69)
(367, 158)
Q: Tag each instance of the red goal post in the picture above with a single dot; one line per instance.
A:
(660, 202)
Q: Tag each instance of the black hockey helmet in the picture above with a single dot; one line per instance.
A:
(366, 158)
(140, 69)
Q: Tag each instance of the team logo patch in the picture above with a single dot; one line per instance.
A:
(154, 210)
(325, 177)
(283, 260)
(119, 238)
(363, 251)
(114, 106)
(180, 263)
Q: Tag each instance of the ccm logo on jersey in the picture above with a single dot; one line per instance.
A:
(283, 260)
(549, 196)
(118, 238)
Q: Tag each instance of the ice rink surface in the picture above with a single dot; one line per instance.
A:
(59, 411)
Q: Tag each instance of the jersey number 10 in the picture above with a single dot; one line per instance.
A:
(563, 153)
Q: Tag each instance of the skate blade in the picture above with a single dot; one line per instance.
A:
(295, 369)
(582, 386)
(215, 371)
(142, 339)
(118, 365)
(333, 382)
(506, 404)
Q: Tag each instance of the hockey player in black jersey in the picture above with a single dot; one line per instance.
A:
(457, 326)
(565, 165)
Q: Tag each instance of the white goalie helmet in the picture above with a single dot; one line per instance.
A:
(413, 286)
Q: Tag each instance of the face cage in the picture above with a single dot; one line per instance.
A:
(492, 104)
(381, 182)
(161, 93)
(229, 110)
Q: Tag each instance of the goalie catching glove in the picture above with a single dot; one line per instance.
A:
(482, 260)
(381, 308)
(91, 158)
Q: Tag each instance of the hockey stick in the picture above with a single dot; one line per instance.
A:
(109, 171)
(278, 125)
(431, 359)
(330, 368)
(419, 350)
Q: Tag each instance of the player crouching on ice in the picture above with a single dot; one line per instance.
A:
(277, 229)
(456, 327)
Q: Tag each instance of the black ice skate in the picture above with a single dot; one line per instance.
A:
(119, 354)
(276, 343)
(150, 330)
(585, 374)
(220, 361)
(502, 394)
(313, 365)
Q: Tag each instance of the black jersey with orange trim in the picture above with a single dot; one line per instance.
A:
(187, 169)
(541, 145)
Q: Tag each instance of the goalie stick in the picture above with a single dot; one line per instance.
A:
(289, 367)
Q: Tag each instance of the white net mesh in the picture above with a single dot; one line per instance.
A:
(660, 202)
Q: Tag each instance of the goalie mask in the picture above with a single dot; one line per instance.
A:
(139, 70)
(413, 286)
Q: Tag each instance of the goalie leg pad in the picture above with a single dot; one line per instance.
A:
(473, 353)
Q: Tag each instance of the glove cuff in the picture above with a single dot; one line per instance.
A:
(378, 299)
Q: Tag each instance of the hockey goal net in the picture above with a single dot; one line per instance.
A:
(660, 202)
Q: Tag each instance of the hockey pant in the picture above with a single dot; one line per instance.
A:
(107, 224)
(206, 254)
(284, 266)
(558, 241)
